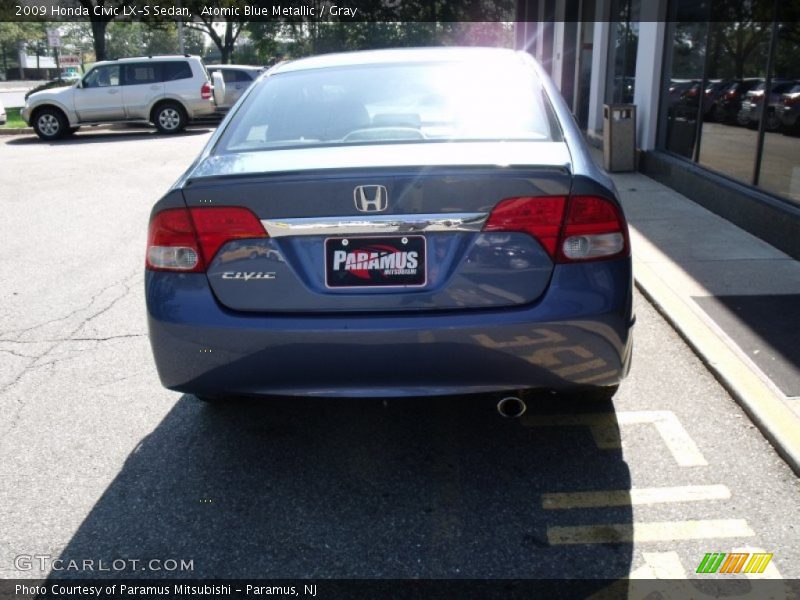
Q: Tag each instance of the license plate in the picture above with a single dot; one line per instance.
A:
(397, 261)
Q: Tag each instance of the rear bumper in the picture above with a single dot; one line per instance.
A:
(577, 335)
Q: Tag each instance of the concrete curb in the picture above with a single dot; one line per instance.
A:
(85, 129)
(15, 131)
(766, 409)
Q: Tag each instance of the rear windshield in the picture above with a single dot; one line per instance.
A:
(391, 104)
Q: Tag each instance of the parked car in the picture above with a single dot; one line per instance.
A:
(790, 108)
(686, 96)
(682, 97)
(3, 116)
(70, 76)
(729, 101)
(753, 103)
(168, 91)
(237, 79)
(438, 227)
(714, 89)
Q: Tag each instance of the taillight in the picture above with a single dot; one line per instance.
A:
(593, 228)
(217, 225)
(540, 217)
(187, 240)
(172, 242)
(569, 229)
(206, 91)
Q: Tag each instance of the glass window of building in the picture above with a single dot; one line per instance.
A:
(622, 48)
(780, 160)
(737, 68)
(685, 60)
(731, 92)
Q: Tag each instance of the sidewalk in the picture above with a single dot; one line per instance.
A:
(733, 297)
(20, 85)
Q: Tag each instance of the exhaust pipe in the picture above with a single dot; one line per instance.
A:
(511, 407)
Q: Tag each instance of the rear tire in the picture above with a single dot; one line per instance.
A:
(169, 118)
(50, 124)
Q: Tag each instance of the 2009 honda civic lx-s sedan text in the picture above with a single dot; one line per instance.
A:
(392, 223)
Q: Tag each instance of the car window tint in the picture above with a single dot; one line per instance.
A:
(105, 76)
(393, 103)
(174, 70)
(141, 73)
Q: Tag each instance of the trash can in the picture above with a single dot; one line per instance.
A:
(619, 137)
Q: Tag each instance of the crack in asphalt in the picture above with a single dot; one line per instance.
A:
(36, 362)
(74, 339)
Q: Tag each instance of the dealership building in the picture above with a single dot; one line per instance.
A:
(697, 72)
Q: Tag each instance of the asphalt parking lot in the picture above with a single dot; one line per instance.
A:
(100, 462)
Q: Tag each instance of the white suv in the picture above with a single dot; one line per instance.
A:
(168, 91)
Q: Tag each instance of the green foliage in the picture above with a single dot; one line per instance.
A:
(274, 41)
(13, 33)
(13, 120)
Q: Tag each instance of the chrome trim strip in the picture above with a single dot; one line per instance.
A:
(375, 224)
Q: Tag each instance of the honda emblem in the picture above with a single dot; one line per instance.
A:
(371, 198)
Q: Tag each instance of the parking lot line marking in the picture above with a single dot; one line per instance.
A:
(663, 565)
(636, 496)
(770, 570)
(740, 377)
(604, 430)
(676, 438)
(640, 583)
(658, 531)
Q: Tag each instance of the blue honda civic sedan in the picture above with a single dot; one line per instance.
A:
(410, 222)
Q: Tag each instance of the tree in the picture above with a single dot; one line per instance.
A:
(232, 26)
(14, 33)
(99, 22)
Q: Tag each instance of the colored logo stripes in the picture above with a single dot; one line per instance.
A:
(735, 562)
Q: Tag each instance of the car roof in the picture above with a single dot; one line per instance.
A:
(395, 56)
(165, 57)
(239, 67)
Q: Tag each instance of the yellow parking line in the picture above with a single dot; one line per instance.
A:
(663, 565)
(636, 496)
(648, 532)
(604, 430)
(677, 439)
(765, 407)
(770, 571)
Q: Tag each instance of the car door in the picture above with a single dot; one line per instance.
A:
(142, 86)
(99, 97)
